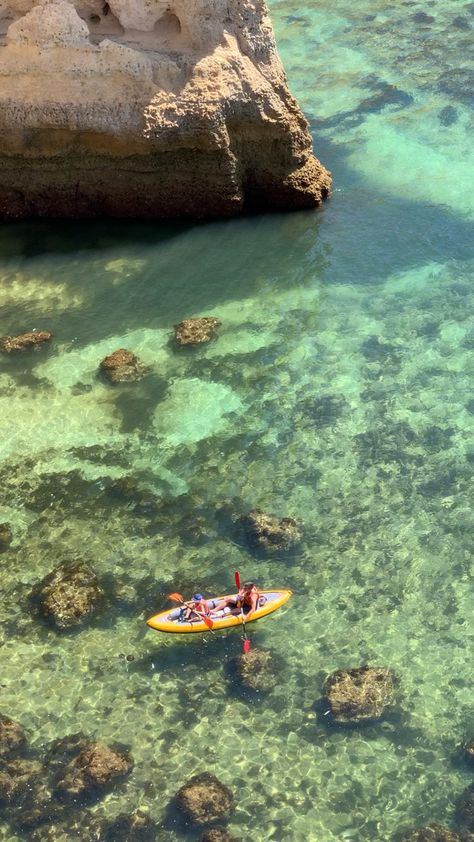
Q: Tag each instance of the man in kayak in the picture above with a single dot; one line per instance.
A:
(247, 599)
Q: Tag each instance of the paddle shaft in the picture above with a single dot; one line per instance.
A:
(246, 639)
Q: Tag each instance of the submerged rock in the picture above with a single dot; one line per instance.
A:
(12, 736)
(90, 773)
(256, 670)
(465, 808)
(355, 695)
(68, 595)
(196, 331)
(32, 805)
(204, 799)
(24, 341)
(141, 501)
(83, 826)
(467, 751)
(268, 532)
(217, 834)
(431, 833)
(16, 777)
(131, 827)
(6, 536)
(206, 125)
(121, 366)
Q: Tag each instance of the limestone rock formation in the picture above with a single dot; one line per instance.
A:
(68, 595)
(152, 108)
(122, 365)
(204, 799)
(359, 694)
(24, 341)
(196, 331)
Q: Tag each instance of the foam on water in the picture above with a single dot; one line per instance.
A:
(338, 391)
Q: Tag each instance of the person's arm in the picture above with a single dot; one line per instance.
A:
(253, 608)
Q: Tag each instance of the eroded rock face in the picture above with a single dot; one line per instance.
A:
(355, 695)
(269, 533)
(204, 799)
(95, 769)
(6, 536)
(256, 670)
(122, 365)
(68, 595)
(196, 331)
(12, 736)
(431, 833)
(155, 109)
(24, 341)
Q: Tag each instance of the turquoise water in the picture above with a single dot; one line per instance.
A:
(339, 392)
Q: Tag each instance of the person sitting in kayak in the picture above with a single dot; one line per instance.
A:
(247, 599)
(196, 606)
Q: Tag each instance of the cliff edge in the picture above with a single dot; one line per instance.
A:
(151, 108)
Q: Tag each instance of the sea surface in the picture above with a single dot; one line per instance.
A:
(339, 392)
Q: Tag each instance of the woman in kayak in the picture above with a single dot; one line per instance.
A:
(247, 599)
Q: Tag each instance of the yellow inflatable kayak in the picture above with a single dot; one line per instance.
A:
(170, 620)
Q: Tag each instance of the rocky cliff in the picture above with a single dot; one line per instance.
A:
(153, 108)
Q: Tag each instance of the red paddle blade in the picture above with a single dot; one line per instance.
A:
(176, 597)
(246, 645)
(207, 621)
(237, 579)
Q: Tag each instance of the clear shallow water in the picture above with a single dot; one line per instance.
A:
(339, 391)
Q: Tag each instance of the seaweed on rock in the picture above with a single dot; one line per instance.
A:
(217, 834)
(197, 331)
(68, 595)
(121, 366)
(90, 772)
(431, 833)
(24, 341)
(205, 800)
(268, 533)
(360, 694)
(256, 670)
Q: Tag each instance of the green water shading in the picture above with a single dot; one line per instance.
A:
(339, 391)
